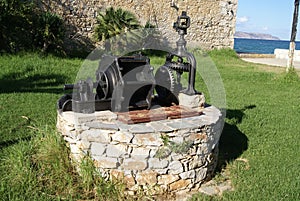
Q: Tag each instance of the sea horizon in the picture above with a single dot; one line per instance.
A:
(261, 46)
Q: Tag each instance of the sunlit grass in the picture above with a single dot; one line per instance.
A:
(258, 150)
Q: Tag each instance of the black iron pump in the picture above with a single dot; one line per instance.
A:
(128, 82)
(168, 76)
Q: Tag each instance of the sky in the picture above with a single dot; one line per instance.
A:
(267, 16)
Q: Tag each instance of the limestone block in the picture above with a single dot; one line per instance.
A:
(198, 161)
(75, 149)
(105, 162)
(147, 140)
(175, 167)
(129, 180)
(98, 149)
(177, 185)
(140, 153)
(83, 144)
(133, 164)
(167, 179)
(188, 175)
(122, 136)
(193, 101)
(200, 174)
(95, 136)
(104, 126)
(146, 178)
(116, 151)
(140, 128)
(155, 163)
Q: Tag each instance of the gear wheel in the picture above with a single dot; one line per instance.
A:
(180, 67)
(166, 86)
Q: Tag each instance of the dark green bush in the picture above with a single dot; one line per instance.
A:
(24, 26)
(49, 32)
(16, 25)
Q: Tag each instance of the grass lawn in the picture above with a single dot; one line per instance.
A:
(259, 147)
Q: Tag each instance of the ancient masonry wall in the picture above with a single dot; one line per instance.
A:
(173, 155)
(212, 21)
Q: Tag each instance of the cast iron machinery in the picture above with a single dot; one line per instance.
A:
(125, 83)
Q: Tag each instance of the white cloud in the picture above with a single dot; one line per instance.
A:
(265, 28)
(241, 20)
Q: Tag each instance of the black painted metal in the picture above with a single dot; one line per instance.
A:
(127, 82)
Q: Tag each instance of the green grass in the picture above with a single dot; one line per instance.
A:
(258, 149)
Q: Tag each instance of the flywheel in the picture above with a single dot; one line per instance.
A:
(166, 86)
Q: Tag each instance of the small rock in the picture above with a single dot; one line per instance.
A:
(98, 149)
(121, 136)
(175, 167)
(167, 179)
(105, 162)
(140, 153)
(188, 175)
(209, 190)
(132, 164)
(155, 163)
(193, 101)
(140, 128)
(104, 126)
(178, 185)
(116, 151)
(147, 178)
(152, 139)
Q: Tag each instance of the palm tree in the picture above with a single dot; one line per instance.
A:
(293, 37)
(113, 23)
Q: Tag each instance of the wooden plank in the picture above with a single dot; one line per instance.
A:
(143, 116)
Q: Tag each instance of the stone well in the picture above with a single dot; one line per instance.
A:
(170, 155)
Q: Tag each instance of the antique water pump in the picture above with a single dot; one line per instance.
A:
(126, 83)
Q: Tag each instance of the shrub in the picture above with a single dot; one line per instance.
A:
(23, 26)
(49, 33)
(113, 23)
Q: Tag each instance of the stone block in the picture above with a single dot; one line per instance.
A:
(105, 162)
(98, 149)
(152, 139)
(180, 184)
(160, 127)
(146, 178)
(155, 163)
(75, 149)
(134, 164)
(116, 151)
(129, 181)
(193, 101)
(188, 175)
(83, 144)
(106, 115)
(167, 179)
(196, 136)
(175, 167)
(104, 126)
(122, 136)
(140, 129)
(198, 161)
(182, 124)
(116, 174)
(200, 174)
(95, 136)
(140, 153)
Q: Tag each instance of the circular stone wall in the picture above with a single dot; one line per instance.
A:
(174, 156)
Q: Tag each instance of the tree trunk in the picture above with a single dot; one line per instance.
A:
(290, 64)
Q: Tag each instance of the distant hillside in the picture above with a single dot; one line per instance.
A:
(240, 34)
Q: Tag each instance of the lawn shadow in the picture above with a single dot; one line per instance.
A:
(232, 141)
(37, 83)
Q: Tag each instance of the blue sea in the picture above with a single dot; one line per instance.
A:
(260, 46)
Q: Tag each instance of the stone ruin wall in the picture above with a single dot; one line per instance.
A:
(212, 21)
